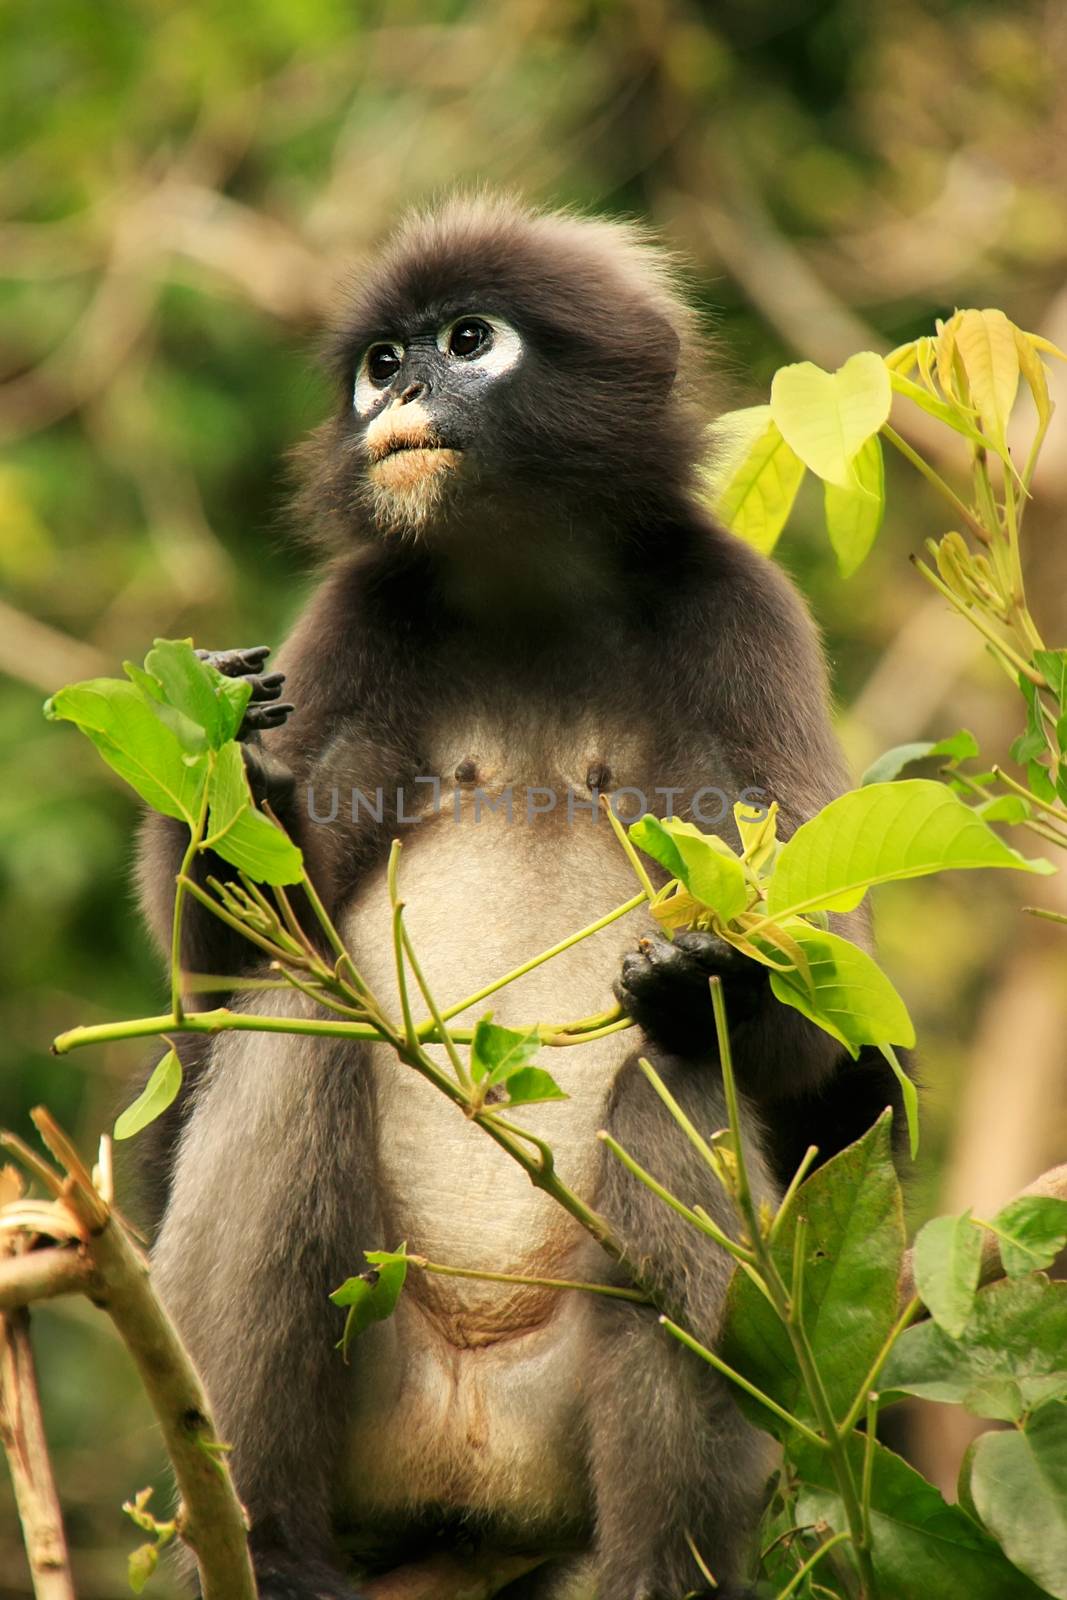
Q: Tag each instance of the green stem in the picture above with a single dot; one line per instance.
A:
(196, 835)
(802, 1572)
(534, 1283)
(855, 1410)
(734, 1376)
(1048, 806)
(794, 1184)
(933, 477)
(867, 1479)
(398, 947)
(631, 854)
(733, 1110)
(703, 1223)
(1009, 657)
(546, 955)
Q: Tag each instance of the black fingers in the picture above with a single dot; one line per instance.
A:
(236, 663)
(265, 709)
(259, 716)
(663, 985)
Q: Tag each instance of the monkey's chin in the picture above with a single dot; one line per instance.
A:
(407, 486)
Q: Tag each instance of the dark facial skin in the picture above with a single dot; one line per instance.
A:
(519, 544)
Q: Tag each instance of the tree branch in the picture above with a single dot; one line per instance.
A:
(23, 1437)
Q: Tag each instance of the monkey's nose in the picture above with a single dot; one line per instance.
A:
(414, 391)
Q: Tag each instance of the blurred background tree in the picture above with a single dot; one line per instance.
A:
(186, 189)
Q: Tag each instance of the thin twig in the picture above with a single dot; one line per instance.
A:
(26, 1447)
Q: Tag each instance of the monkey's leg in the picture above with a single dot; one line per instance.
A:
(672, 1457)
(271, 1206)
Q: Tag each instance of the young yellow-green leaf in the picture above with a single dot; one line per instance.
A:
(951, 413)
(497, 1053)
(1033, 372)
(1018, 1482)
(529, 1085)
(141, 1565)
(159, 1092)
(136, 743)
(854, 516)
(880, 834)
(986, 345)
(758, 832)
(948, 1260)
(704, 863)
(755, 497)
(372, 1295)
(959, 746)
(849, 996)
(1030, 1231)
(827, 417)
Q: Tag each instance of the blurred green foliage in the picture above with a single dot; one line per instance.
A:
(185, 187)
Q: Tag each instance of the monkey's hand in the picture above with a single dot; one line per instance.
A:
(266, 708)
(269, 779)
(664, 987)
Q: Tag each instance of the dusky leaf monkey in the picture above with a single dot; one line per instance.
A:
(523, 597)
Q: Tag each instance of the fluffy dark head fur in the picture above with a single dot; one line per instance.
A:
(602, 415)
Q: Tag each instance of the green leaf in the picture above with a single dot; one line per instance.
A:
(852, 1255)
(753, 491)
(957, 747)
(920, 1544)
(135, 742)
(948, 1262)
(372, 1296)
(827, 417)
(1011, 1355)
(1031, 1231)
(187, 684)
(1052, 664)
(497, 1053)
(530, 1085)
(879, 834)
(704, 863)
(908, 1094)
(1018, 1481)
(854, 515)
(850, 996)
(242, 835)
(159, 1092)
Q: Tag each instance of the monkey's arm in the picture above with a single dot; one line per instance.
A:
(754, 667)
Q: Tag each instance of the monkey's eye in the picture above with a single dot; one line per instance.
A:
(469, 337)
(383, 363)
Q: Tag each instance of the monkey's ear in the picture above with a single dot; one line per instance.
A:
(662, 355)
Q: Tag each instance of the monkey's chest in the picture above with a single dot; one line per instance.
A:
(483, 897)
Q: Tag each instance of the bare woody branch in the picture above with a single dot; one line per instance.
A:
(26, 1448)
(211, 1520)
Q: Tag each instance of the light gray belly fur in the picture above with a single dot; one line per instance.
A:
(470, 1397)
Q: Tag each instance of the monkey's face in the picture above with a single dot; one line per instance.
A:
(421, 400)
(503, 368)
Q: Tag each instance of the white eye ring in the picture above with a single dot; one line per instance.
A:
(502, 353)
(366, 394)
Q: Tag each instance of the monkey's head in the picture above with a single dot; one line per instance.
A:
(496, 355)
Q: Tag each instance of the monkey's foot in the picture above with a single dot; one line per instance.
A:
(664, 987)
(265, 709)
